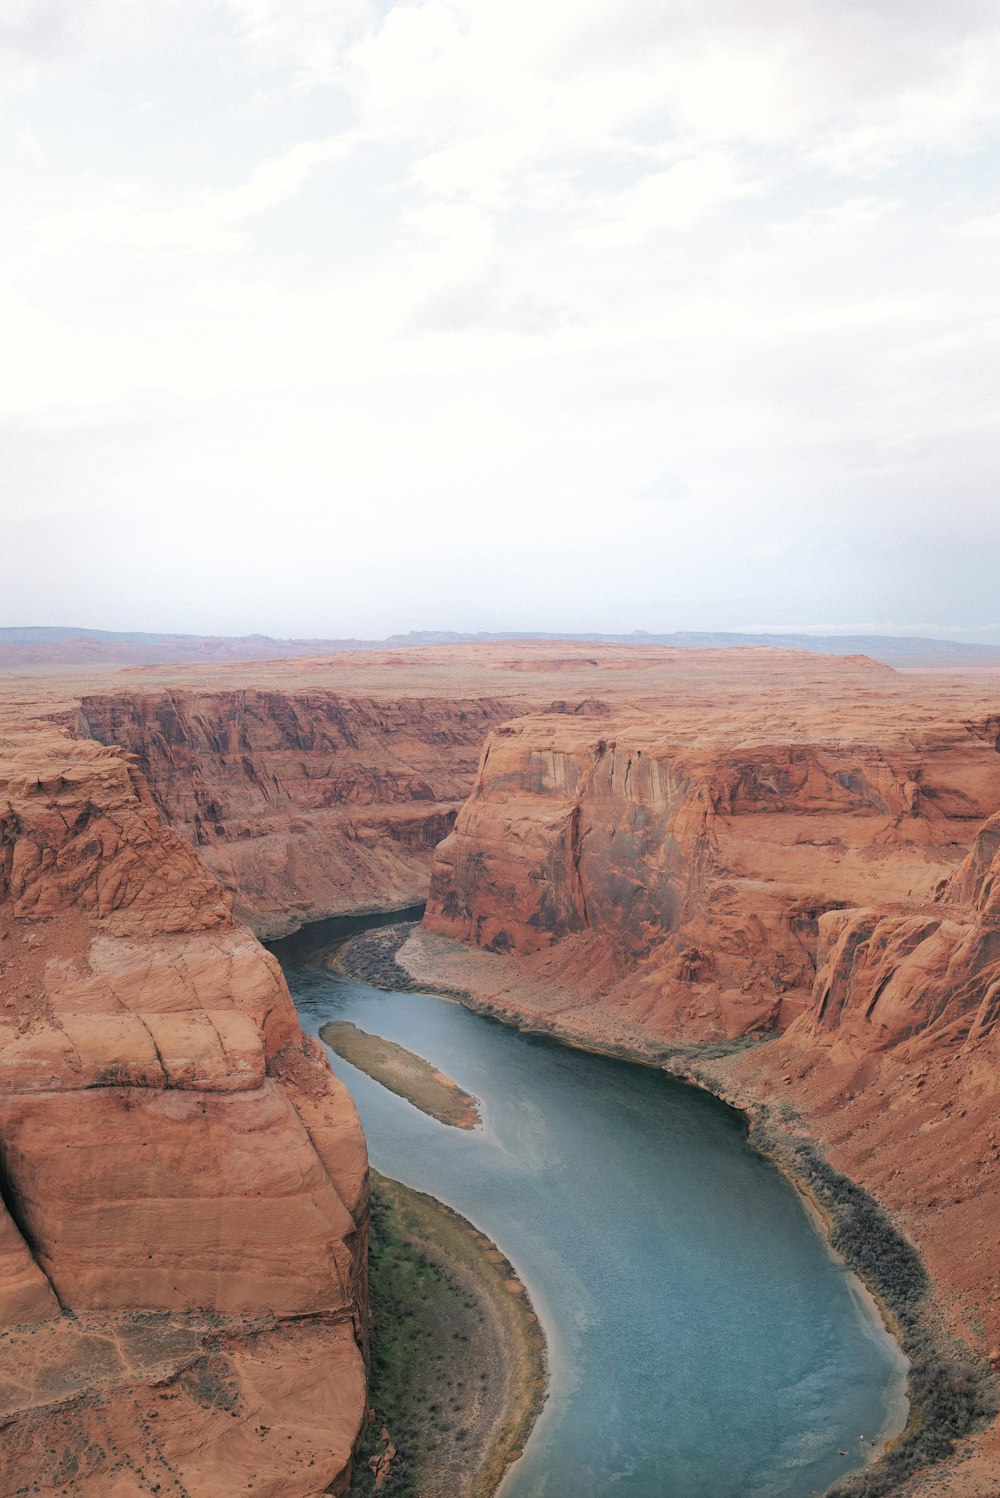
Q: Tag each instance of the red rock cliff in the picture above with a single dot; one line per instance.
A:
(183, 1182)
(308, 803)
(701, 872)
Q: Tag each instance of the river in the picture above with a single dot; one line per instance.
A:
(703, 1342)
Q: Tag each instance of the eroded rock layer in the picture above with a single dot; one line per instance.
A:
(708, 878)
(303, 804)
(183, 1182)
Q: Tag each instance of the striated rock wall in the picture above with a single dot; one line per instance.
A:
(887, 977)
(705, 873)
(302, 804)
(183, 1182)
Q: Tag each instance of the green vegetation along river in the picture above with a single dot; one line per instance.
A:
(703, 1343)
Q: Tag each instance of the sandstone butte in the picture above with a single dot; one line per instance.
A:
(651, 846)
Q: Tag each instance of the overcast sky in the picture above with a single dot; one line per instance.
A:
(335, 317)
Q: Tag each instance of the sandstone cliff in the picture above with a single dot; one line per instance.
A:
(183, 1182)
(303, 804)
(702, 874)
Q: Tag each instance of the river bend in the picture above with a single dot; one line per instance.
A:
(703, 1342)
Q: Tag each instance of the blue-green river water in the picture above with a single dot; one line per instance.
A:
(703, 1343)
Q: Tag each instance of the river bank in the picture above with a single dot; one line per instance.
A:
(458, 1372)
(951, 1391)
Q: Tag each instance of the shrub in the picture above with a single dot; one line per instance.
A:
(951, 1392)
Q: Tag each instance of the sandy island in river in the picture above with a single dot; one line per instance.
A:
(458, 1357)
(402, 1072)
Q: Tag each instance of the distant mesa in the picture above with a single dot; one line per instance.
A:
(44, 646)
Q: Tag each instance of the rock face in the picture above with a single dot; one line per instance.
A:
(303, 804)
(711, 878)
(884, 977)
(184, 1182)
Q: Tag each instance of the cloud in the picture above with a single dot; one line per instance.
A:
(307, 38)
(38, 29)
(206, 222)
(949, 109)
(670, 314)
(677, 199)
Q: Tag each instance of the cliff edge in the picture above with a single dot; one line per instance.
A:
(183, 1182)
(303, 804)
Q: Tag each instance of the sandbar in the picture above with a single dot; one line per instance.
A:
(402, 1072)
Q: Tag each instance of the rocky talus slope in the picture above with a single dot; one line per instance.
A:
(183, 1182)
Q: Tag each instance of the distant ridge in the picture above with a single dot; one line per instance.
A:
(53, 646)
(891, 650)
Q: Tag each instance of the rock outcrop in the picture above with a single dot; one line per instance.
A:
(183, 1182)
(711, 878)
(886, 977)
(303, 804)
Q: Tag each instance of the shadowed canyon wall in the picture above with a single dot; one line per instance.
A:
(303, 804)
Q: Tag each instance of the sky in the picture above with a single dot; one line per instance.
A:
(330, 318)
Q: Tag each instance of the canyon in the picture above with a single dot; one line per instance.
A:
(303, 805)
(789, 861)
